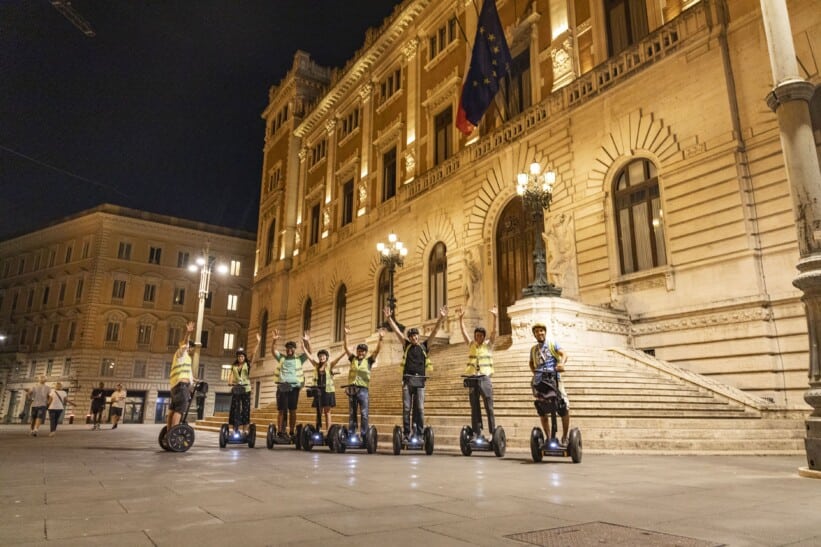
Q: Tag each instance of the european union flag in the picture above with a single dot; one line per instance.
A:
(489, 63)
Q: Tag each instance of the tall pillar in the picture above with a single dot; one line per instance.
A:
(366, 123)
(411, 52)
(790, 102)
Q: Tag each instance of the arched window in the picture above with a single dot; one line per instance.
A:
(339, 313)
(307, 311)
(383, 294)
(263, 332)
(437, 279)
(269, 242)
(639, 217)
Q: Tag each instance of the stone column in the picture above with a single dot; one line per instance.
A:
(410, 52)
(790, 101)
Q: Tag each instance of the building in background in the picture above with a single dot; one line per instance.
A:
(671, 210)
(105, 295)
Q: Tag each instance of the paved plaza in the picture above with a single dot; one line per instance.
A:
(85, 487)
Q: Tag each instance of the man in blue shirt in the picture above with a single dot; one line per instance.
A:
(546, 357)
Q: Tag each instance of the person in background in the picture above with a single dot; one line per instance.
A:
(288, 371)
(39, 404)
(57, 402)
(182, 379)
(97, 405)
(118, 404)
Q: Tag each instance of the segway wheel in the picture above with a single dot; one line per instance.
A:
(269, 439)
(252, 435)
(332, 437)
(223, 435)
(499, 442)
(298, 437)
(307, 441)
(371, 440)
(464, 440)
(397, 440)
(341, 436)
(180, 437)
(536, 442)
(574, 445)
(428, 441)
(163, 440)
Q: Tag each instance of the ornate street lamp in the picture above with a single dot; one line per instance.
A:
(392, 255)
(203, 264)
(536, 189)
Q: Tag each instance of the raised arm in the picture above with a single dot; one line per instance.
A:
(494, 312)
(345, 345)
(256, 349)
(460, 313)
(443, 312)
(274, 338)
(306, 347)
(332, 364)
(189, 328)
(394, 327)
(378, 343)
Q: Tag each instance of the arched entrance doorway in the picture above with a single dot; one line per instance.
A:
(514, 257)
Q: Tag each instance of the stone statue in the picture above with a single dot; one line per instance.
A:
(561, 263)
(473, 276)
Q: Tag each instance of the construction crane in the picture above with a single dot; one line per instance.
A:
(76, 19)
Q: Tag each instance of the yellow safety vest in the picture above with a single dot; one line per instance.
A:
(360, 372)
(480, 360)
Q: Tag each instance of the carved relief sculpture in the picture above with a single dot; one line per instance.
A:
(561, 254)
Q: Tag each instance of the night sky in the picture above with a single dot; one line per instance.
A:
(159, 111)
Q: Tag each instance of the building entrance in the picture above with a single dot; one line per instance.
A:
(514, 257)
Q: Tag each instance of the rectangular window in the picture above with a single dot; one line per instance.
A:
(233, 299)
(124, 251)
(314, 235)
(23, 336)
(154, 255)
(389, 174)
(204, 339)
(149, 293)
(107, 367)
(443, 137)
(33, 368)
(112, 331)
(390, 85)
(55, 332)
(14, 299)
(228, 340)
(46, 292)
(6, 268)
(118, 289)
(30, 299)
(68, 254)
(182, 259)
(86, 248)
(317, 153)
(49, 367)
(52, 256)
(72, 331)
(144, 335)
(234, 267)
(179, 296)
(174, 334)
(38, 335)
(36, 262)
(78, 294)
(440, 38)
(61, 296)
(67, 366)
(201, 371)
(208, 299)
(349, 123)
(167, 370)
(347, 203)
(517, 85)
(140, 367)
(21, 266)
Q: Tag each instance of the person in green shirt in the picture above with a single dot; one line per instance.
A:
(288, 371)
(359, 381)
(240, 414)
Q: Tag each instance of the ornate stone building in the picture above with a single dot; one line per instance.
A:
(671, 227)
(104, 296)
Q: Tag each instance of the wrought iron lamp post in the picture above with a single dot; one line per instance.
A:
(392, 255)
(204, 265)
(536, 189)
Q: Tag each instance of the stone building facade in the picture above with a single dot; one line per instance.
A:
(671, 210)
(104, 296)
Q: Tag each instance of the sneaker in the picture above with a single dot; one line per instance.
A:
(51, 434)
(33, 433)
(114, 426)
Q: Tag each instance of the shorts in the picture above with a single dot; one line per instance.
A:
(325, 399)
(287, 400)
(38, 412)
(180, 397)
(116, 411)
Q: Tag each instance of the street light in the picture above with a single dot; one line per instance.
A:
(536, 189)
(203, 264)
(392, 255)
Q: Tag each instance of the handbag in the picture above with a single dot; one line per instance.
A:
(238, 390)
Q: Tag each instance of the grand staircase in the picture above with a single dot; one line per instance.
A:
(622, 400)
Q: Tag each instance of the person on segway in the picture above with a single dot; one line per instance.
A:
(240, 415)
(547, 361)
(182, 379)
(323, 378)
(480, 363)
(415, 362)
(359, 380)
(289, 371)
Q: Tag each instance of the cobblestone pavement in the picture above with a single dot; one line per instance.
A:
(118, 487)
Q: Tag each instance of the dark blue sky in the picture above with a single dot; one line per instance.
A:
(160, 110)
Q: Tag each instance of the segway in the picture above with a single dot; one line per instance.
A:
(181, 436)
(233, 435)
(350, 440)
(470, 440)
(313, 436)
(415, 441)
(552, 447)
(273, 438)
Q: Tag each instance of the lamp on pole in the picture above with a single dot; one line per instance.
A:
(204, 265)
(392, 255)
(536, 189)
